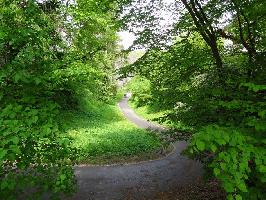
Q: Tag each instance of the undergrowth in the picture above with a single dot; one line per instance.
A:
(102, 135)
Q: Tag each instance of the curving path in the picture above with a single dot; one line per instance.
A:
(131, 116)
(136, 181)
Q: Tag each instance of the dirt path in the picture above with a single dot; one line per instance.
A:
(136, 181)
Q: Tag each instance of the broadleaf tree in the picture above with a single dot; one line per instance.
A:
(210, 78)
(51, 54)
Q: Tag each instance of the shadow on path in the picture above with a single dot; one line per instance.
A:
(140, 180)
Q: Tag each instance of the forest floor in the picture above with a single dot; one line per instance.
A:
(170, 177)
(154, 114)
(103, 135)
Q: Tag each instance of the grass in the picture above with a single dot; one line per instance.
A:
(102, 135)
(153, 114)
(148, 113)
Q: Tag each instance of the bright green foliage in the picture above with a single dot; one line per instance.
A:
(237, 159)
(140, 89)
(51, 52)
(214, 89)
(94, 49)
(176, 80)
(30, 136)
(193, 99)
(103, 135)
(147, 112)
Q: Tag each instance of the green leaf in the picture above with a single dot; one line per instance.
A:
(3, 152)
(262, 168)
(221, 141)
(242, 186)
(15, 149)
(200, 145)
(15, 139)
(230, 197)
(223, 166)
(216, 171)
(254, 87)
(238, 197)
(17, 77)
(213, 147)
(228, 186)
(62, 176)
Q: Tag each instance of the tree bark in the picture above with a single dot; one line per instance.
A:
(205, 29)
(249, 41)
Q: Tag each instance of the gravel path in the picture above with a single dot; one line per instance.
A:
(136, 181)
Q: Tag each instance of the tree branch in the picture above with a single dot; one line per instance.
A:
(197, 23)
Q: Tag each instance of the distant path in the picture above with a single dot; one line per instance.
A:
(136, 181)
(131, 116)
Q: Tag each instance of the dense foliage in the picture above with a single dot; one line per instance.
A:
(51, 53)
(211, 78)
(206, 71)
(104, 136)
(140, 88)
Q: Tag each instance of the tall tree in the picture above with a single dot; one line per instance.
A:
(51, 53)
(226, 115)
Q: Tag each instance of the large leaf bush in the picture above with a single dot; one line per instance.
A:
(45, 68)
(225, 110)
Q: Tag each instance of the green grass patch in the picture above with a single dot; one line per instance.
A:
(148, 113)
(153, 114)
(103, 135)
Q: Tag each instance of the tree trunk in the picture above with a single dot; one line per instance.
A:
(206, 30)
